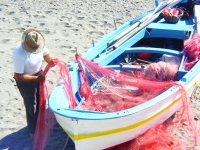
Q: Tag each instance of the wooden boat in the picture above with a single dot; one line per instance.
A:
(92, 130)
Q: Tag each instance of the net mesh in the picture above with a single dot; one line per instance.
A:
(191, 51)
(155, 139)
(110, 90)
(46, 118)
(120, 90)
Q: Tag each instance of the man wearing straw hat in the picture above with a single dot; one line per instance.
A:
(27, 59)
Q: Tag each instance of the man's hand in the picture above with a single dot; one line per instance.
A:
(52, 63)
(41, 78)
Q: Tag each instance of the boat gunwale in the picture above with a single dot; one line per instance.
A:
(93, 115)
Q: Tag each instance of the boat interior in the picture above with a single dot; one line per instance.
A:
(162, 40)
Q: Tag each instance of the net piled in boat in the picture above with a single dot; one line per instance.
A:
(191, 51)
(105, 89)
(118, 90)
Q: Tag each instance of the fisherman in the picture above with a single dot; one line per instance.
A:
(27, 58)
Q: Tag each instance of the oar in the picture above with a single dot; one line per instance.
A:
(135, 25)
(151, 19)
(147, 21)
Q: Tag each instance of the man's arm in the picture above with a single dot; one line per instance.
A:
(29, 78)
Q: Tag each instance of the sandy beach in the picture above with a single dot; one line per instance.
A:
(66, 25)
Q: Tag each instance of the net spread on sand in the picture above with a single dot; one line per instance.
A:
(109, 90)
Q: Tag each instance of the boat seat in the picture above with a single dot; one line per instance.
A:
(179, 31)
(153, 50)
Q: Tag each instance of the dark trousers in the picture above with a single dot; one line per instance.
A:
(31, 94)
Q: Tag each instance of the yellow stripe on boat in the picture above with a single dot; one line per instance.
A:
(113, 131)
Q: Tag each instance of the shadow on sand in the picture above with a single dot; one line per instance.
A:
(20, 140)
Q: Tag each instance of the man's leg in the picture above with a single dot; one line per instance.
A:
(30, 94)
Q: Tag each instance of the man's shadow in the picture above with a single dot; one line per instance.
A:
(21, 140)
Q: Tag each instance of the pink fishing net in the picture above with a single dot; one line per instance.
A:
(115, 91)
(177, 133)
(110, 90)
(158, 138)
(46, 117)
(120, 90)
(191, 51)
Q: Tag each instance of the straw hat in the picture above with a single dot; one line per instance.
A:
(33, 41)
